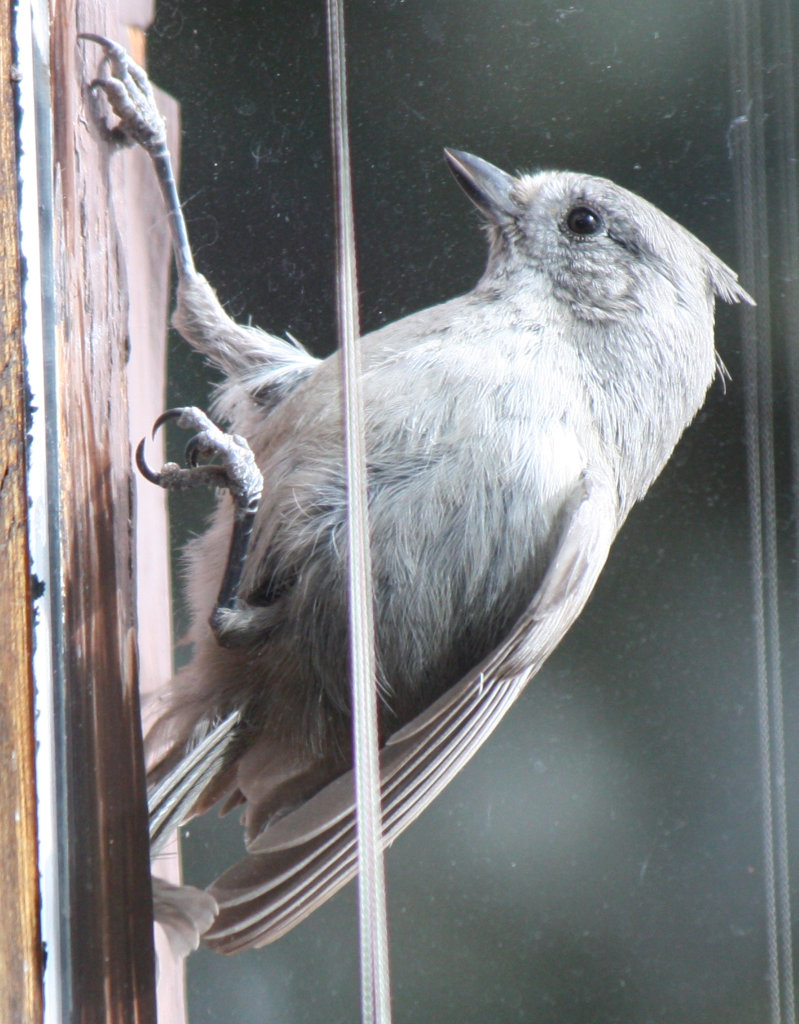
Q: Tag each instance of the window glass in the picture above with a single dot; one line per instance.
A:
(601, 859)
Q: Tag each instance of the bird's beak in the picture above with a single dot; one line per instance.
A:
(487, 186)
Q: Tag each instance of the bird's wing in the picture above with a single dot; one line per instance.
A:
(301, 860)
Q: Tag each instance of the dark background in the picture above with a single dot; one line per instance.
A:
(601, 859)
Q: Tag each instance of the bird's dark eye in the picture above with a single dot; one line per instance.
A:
(583, 221)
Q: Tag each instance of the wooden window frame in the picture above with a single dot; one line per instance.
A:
(84, 571)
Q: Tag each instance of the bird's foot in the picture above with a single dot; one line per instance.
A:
(236, 471)
(130, 95)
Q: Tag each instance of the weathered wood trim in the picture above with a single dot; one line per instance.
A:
(103, 286)
(98, 365)
(20, 942)
(148, 255)
(107, 946)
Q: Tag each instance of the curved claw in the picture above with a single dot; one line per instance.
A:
(107, 44)
(142, 466)
(115, 53)
(165, 417)
(193, 450)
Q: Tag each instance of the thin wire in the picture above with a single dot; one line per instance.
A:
(375, 976)
(747, 145)
(786, 185)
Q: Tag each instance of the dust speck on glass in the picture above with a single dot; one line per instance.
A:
(602, 858)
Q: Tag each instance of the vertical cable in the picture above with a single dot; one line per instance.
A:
(783, 175)
(747, 147)
(375, 982)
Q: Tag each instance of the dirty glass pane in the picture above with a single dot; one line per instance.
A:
(602, 859)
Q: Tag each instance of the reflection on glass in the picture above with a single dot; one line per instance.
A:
(601, 859)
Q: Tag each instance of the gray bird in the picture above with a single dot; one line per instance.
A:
(509, 432)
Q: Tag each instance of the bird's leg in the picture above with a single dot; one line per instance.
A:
(235, 349)
(130, 96)
(236, 472)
